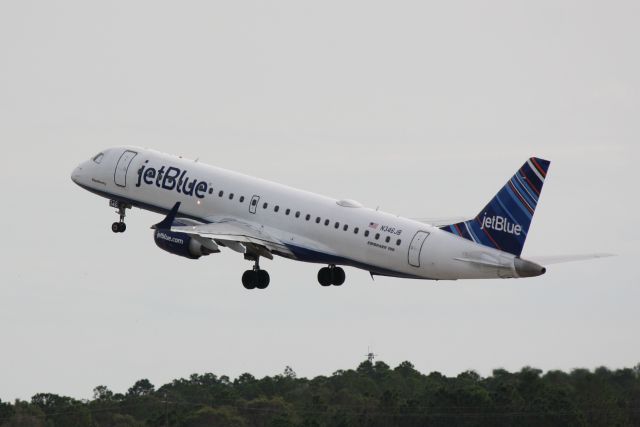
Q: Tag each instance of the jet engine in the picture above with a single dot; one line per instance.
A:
(182, 244)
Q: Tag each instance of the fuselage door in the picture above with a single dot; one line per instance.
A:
(120, 175)
(253, 205)
(416, 247)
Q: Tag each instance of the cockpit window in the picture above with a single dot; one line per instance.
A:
(98, 158)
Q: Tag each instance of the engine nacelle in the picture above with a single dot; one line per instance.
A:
(183, 244)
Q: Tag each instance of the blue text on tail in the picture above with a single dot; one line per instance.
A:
(504, 223)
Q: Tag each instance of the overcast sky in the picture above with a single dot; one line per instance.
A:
(422, 108)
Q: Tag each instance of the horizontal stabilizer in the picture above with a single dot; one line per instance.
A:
(558, 259)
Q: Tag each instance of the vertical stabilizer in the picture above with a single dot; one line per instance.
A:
(504, 223)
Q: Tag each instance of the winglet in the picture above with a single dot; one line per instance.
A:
(166, 223)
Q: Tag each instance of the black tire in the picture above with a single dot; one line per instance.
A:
(324, 276)
(249, 279)
(338, 276)
(115, 227)
(263, 279)
(123, 227)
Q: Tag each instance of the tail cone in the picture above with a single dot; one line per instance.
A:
(526, 268)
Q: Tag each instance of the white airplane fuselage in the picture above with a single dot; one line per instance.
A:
(313, 227)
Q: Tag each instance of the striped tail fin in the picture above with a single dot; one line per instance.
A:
(504, 223)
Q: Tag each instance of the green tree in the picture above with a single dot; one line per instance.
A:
(6, 411)
(219, 417)
(263, 412)
(371, 395)
(289, 373)
(101, 392)
(25, 415)
(141, 388)
(62, 411)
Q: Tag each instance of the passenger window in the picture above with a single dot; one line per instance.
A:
(355, 230)
(326, 222)
(346, 227)
(398, 242)
(210, 190)
(230, 196)
(337, 224)
(276, 209)
(317, 220)
(242, 199)
(264, 206)
(221, 193)
(377, 236)
(254, 202)
(98, 158)
(297, 214)
(387, 239)
(366, 233)
(308, 217)
(287, 211)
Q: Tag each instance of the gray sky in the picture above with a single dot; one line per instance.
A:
(422, 108)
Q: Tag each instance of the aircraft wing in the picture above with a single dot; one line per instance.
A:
(236, 235)
(239, 236)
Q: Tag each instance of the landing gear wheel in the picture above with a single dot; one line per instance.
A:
(324, 276)
(338, 276)
(120, 226)
(249, 279)
(255, 278)
(263, 279)
(331, 275)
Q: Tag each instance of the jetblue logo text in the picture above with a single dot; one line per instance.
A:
(500, 223)
(172, 178)
(171, 239)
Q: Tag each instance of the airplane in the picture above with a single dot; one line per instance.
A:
(208, 208)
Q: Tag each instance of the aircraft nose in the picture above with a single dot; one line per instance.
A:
(76, 174)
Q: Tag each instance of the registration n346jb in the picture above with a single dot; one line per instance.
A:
(208, 208)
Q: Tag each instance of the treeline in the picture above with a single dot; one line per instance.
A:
(371, 395)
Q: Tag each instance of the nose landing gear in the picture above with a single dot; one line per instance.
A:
(119, 226)
(331, 275)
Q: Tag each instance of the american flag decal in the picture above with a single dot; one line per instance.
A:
(373, 225)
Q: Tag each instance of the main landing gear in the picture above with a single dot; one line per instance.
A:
(331, 275)
(255, 278)
(119, 226)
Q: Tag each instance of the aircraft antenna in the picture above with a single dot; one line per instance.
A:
(370, 355)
